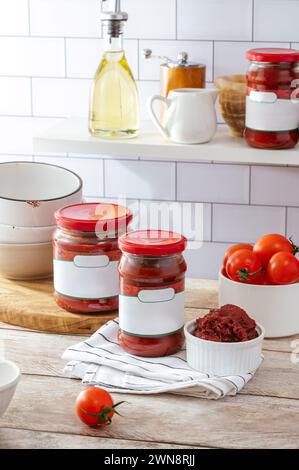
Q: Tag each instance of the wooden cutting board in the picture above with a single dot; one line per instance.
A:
(31, 304)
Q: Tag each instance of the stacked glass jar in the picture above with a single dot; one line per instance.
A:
(152, 292)
(86, 256)
(272, 115)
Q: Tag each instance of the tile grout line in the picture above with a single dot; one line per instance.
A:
(176, 181)
(176, 19)
(65, 58)
(138, 59)
(170, 39)
(252, 22)
(212, 222)
(31, 96)
(29, 20)
(249, 188)
(104, 177)
(213, 61)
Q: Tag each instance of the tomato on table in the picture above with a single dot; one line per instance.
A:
(95, 406)
(244, 266)
(283, 268)
(270, 244)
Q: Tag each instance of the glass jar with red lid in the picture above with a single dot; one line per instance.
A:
(86, 256)
(152, 292)
(272, 116)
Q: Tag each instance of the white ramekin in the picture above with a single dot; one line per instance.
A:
(274, 307)
(215, 358)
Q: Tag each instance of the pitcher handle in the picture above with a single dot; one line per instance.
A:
(153, 115)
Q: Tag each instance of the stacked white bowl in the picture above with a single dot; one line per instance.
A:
(30, 193)
(9, 378)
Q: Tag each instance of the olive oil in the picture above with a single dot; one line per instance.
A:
(114, 102)
(114, 98)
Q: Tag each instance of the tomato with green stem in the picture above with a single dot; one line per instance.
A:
(95, 407)
(244, 266)
(273, 243)
(233, 249)
(283, 268)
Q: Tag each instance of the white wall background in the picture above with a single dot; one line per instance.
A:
(49, 50)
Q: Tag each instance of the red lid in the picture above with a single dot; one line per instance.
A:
(273, 54)
(152, 242)
(88, 217)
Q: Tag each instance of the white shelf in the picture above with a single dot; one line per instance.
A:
(71, 136)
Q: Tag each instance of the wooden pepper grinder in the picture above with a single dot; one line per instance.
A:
(180, 73)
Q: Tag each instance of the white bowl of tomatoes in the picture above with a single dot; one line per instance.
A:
(263, 279)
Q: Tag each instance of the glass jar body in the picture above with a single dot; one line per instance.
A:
(268, 103)
(85, 271)
(151, 311)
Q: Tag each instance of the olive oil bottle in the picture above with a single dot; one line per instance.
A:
(114, 102)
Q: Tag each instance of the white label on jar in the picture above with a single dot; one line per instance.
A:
(153, 313)
(86, 277)
(265, 112)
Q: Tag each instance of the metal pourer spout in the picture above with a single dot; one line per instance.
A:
(114, 18)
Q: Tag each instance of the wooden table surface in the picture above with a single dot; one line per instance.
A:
(264, 415)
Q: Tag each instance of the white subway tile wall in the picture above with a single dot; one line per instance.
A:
(215, 19)
(205, 262)
(15, 96)
(50, 50)
(150, 20)
(275, 186)
(212, 183)
(90, 170)
(236, 223)
(32, 57)
(60, 97)
(276, 20)
(74, 18)
(293, 223)
(14, 17)
(231, 56)
(16, 133)
(140, 179)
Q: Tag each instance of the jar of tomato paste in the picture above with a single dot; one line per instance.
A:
(86, 256)
(152, 292)
(272, 117)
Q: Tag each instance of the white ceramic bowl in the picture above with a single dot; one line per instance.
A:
(9, 378)
(274, 307)
(31, 192)
(26, 261)
(215, 358)
(22, 235)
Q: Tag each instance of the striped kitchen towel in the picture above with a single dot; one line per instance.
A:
(101, 361)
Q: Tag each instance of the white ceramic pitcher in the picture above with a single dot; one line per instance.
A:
(190, 117)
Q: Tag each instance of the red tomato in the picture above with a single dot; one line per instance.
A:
(283, 268)
(95, 407)
(243, 266)
(261, 279)
(270, 244)
(233, 249)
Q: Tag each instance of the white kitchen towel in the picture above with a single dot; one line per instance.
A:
(101, 361)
